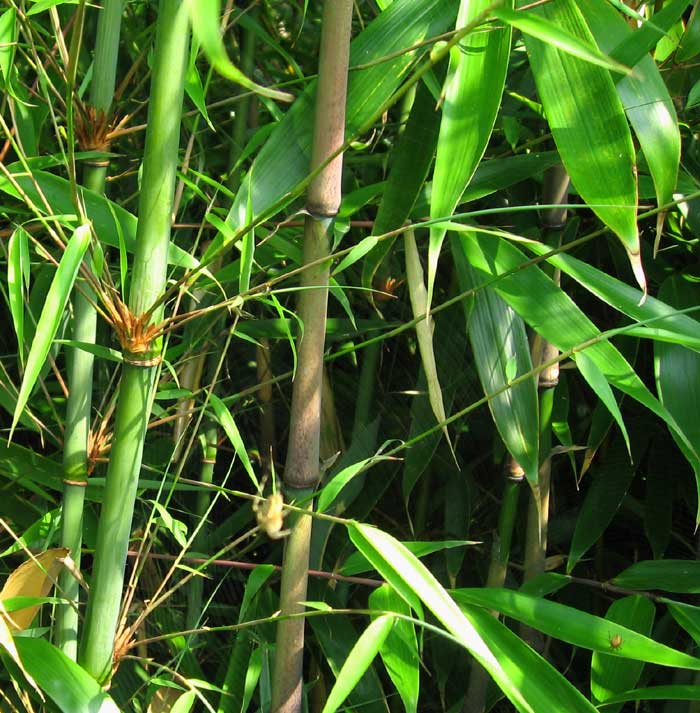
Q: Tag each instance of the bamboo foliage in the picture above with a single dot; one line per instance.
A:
(363, 582)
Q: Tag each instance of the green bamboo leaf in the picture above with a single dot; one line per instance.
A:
(17, 255)
(411, 160)
(356, 563)
(205, 16)
(336, 484)
(358, 661)
(611, 479)
(549, 32)
(357, 253)
(646, 100)
(225, 420)
(284, 160)
(68, 685)
(551, 313)
(677, 368)
(399, 651)
(8, 42)
(677, 692)
(498, 339)
(51, 315)
(690, 42)
(544, 688)
(424, 329)
(335, 636)
(645, 39)
(678, 576)
(574, 626)
(109, 220)
(612, 674)
(667, 323)
(471, 100)
(686, 616)
(495, 174)
(597, 381)
(413, 582)
(583, 109)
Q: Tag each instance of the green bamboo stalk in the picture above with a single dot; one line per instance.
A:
(302, 466)
(135, 390)
(80, 371)
(475, 701)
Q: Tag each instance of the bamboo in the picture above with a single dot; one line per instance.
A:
(148, 282)
(81, 362)
(302, 465)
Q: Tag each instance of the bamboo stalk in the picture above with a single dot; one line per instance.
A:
(148, 283)
(555, 192)
(302, 466)
(81, 362)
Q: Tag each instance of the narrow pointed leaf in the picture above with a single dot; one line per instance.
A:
(412, 580)
(583, 109)
(646, 100)
(412, 158)
(575, 626)
(552, 313)
(399, 651)
(611, 674)
(424, 328)
(68, 685)
(16, 252)
(677, 368)
(226, 421)
(678, 576)
(472, 97)
(543, 29)
(205, 16)
(51, 315)
(358, 661)
(498, 339)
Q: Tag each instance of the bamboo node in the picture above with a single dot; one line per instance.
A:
(78, 483)
(95, 130)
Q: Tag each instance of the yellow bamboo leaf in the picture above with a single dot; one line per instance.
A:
(33, 578)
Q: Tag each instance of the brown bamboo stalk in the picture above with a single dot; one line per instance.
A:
(302, 466)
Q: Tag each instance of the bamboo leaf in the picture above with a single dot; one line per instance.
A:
(677, 368)
(17, 254)
(424, 329)
(678, 692)
(399, 651)
(68, 685)
(33, 579)
(225, 420)
(113, 224)
(678, 576)
(51, 315)
(690, 42)
(551, 313)
(583, 109)
(412, 158)
(498, 339)
(646, 100)
(471, 100)
(205, 16)
(356, 563)
(358, 661)
(574, 626)
(549, 32)
(611, 674)
(412, 580)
